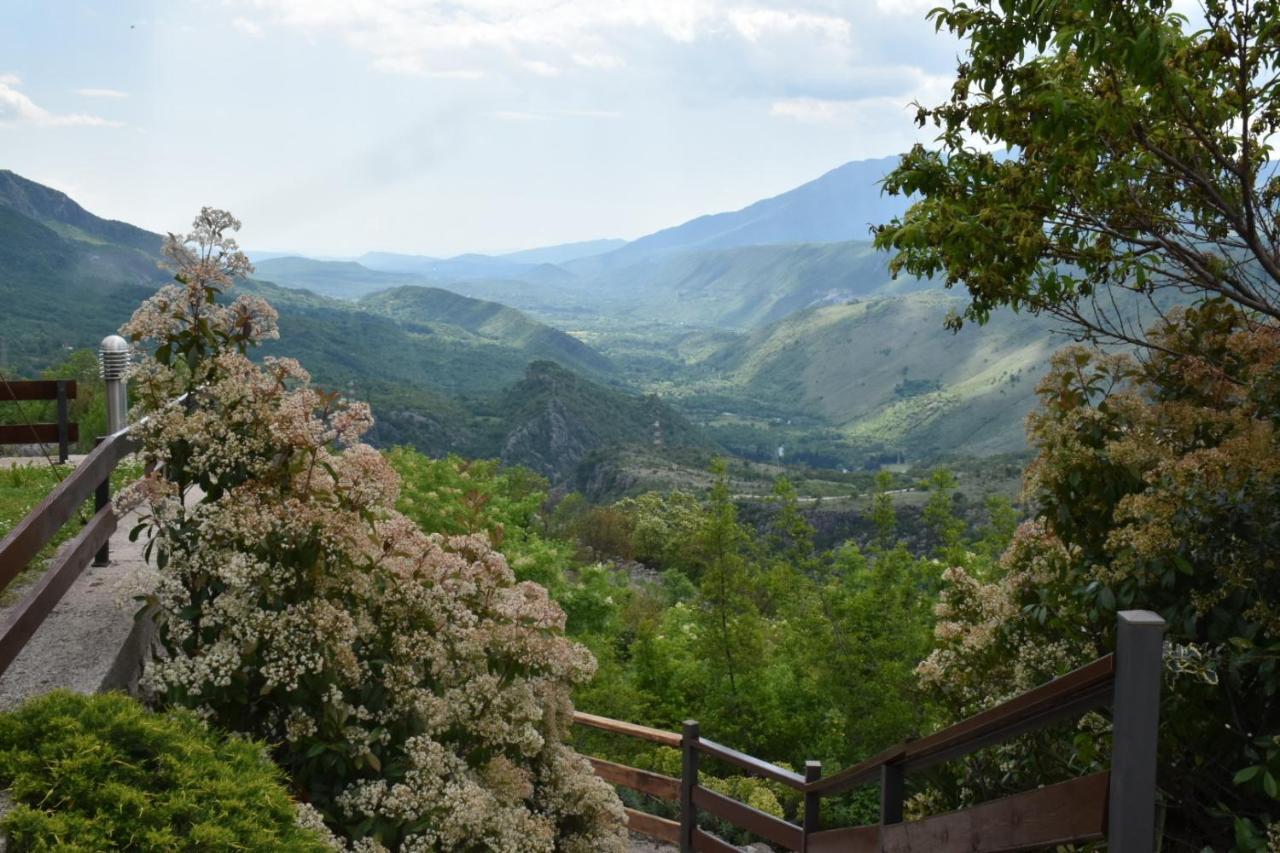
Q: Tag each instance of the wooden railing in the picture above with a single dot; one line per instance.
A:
(91, 477)
(63, 432)
(1117, 805)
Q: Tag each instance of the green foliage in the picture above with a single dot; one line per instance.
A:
(101, 773)
(1139, 161)
(1156, 486)
(457, 496)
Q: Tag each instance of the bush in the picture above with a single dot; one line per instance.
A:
(102, 773)
(419, 695)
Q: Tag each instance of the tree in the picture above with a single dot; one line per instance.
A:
(730, 620)
(881, 510)
(1138, 171)
(1157, 484)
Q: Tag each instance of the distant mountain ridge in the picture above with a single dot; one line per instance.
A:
(564, 252)
(838, 206)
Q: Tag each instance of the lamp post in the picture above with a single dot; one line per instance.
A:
(113, 361)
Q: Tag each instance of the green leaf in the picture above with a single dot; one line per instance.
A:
(1247, 774)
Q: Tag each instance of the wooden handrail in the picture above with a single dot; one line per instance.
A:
(1090, 684)
(40, 525)
(21, 621)
(1080, 682)
(630, 729)
(753, 765)
(1075, 810)
(36, 389)
(753, 820)
(653, 826)
(653, 784)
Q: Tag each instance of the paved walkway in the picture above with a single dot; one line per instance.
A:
(90, 641)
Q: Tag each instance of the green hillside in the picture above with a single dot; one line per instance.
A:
(748, 286)
(423, 310)
(884, 372)
(554, 419)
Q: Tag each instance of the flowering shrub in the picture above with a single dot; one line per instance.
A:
(1157, 486)
(419, 695)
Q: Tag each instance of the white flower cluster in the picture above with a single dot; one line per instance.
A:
(419, 694)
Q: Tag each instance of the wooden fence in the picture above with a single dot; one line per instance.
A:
(1115, 805)
(63, 432)
(91, 477)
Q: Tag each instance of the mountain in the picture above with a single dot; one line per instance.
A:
(564, 252)
(748, 286)
(554, 419)
(337, 279)
(58, 212)
(425, 310)
(886, 375)
(840, 205)
(445, 269)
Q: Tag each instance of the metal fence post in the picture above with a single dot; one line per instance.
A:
(1136, 720)
(688, 781)
(812, 801)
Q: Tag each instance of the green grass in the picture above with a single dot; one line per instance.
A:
(21, 490)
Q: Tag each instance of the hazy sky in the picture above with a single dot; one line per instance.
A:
(337, 126)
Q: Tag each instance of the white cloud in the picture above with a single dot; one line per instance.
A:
(248, 27)
(592, 113)
(17, 108)
(810, 109)
(542, 69)
(756, 24)
(906, 8)
(604, 61)
(551, 37)
(518, 115)
(101, 93)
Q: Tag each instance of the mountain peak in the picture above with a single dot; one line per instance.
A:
(839, 205)
(59, 212)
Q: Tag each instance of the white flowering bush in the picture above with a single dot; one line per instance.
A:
(419, 697)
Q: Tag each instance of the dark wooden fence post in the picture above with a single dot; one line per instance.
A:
(812, 801)
(64, 449)
(1136, 719)
(102, 497)
(892, 792)
(688, 781)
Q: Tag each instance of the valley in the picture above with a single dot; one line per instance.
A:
(774, 334)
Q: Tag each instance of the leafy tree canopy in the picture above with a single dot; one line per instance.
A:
(1137, 161)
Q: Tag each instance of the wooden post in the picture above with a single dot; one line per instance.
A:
(63, 449)
(1136, 718)
(102, 497)
(812, 801)
(892, 779)
(688, 781)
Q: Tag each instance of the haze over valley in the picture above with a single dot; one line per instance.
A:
(774, 333)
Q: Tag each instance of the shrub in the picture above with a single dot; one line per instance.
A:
(102, 773)
(1156, 486)
(419, 695)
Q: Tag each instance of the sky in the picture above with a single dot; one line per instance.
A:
(334, 127)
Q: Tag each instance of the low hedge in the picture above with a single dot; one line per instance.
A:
(93, 773)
